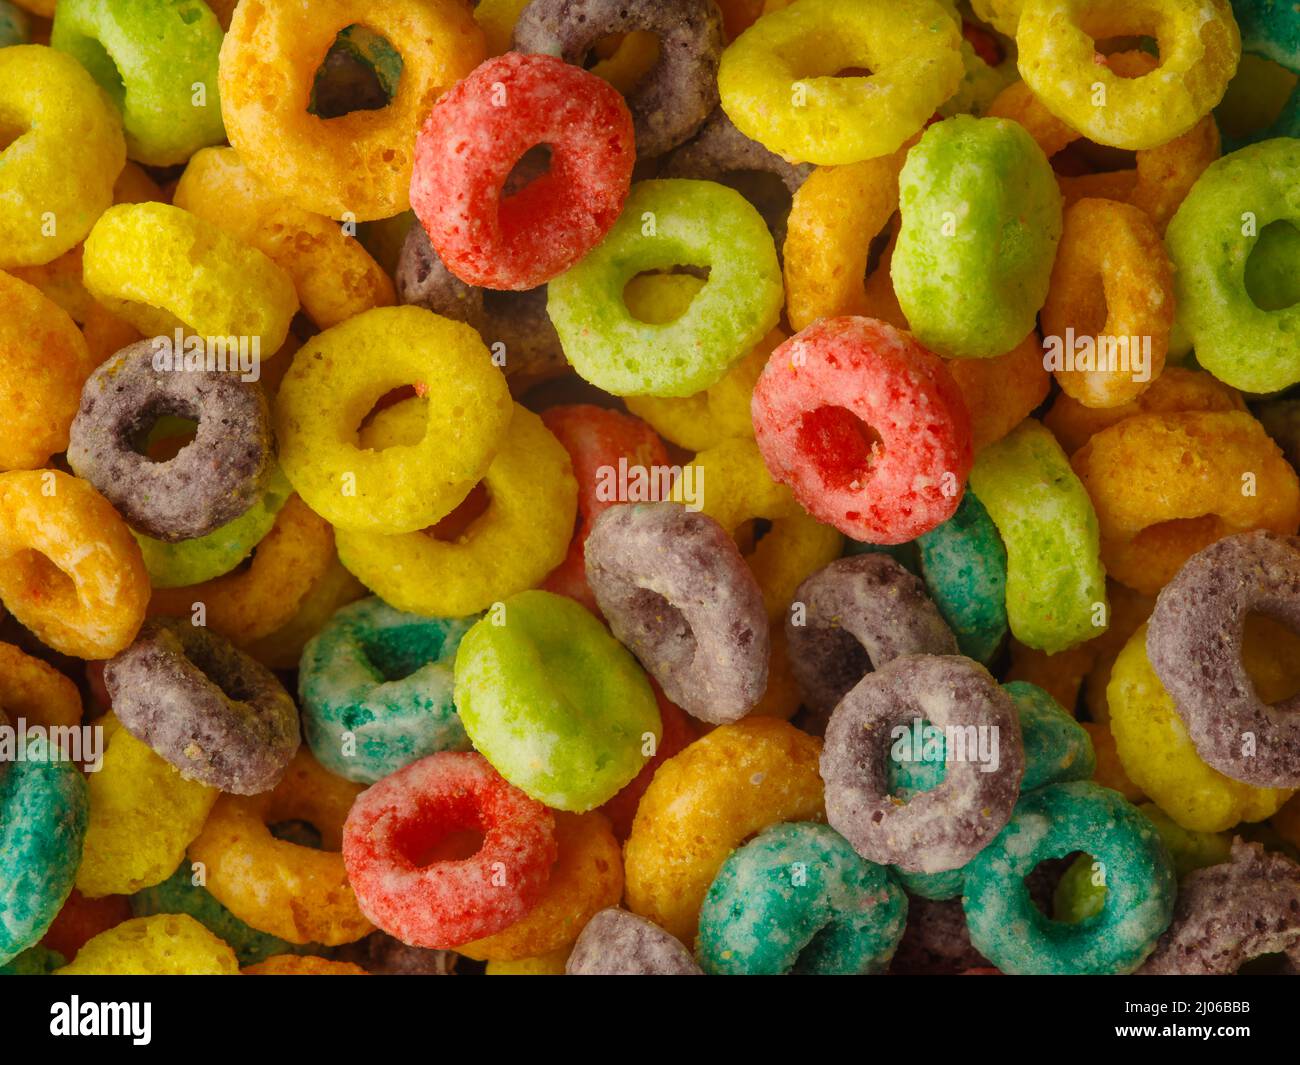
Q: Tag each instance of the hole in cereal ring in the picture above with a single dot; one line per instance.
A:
(297, 831)
(533, 164)
(656, 301)
(624, 59)
(457, 835)
(461, 519)
(1065, 889)
(841, 446)
(1272, 275)
(1270, 655)
(41, 580)
(749, 533)
(402, 649)
(162, 437)
(360, 72)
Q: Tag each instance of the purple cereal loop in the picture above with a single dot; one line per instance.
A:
(618, 943)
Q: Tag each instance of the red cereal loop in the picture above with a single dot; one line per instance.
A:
(399, 831)
(473, 138)
(866, 426)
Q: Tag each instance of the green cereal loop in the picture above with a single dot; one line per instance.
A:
(179, 894)
(149, 56)
(1057, 748)
(558, 706)
(981, 217)
(1055, 580)
(1008, 929)
(964, 566)
(14, 25)
(1210, 240)
(194, 561)
(44, 809)
(674, 222)
(1273, 268)
(798, 899)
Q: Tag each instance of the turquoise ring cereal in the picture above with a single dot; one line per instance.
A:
(673, 222)
(798, 899)
(1052, 822)
(376, 690)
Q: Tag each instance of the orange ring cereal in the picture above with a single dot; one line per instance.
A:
(302, 965)
(36, 691)
(1003, 391)
(1166, 485)
(297, 893)
(70, 570)
(704, 802)
(282, 648)
(358, 164)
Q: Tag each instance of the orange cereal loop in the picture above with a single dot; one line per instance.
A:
(782, 697)
(106, 333)
(35, 691)
(704, 803)
(1177, 389)
(302, 965)
(254, 600)
(1060, 675)
(833, 220)
(69, 568)
(1166, 485)
(334, 275)
(587, 877)
(358, 164)
(44, 362)
(1110, 770)
(1001, 392)
(1113, 288)
(298, 893)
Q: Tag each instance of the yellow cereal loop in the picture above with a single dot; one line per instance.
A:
(143, 814)
(161, 268)
(551, 964)
(522, 535)
(334, 275)
(56, 177)
(167, 944)
(1159, 756)
(335, 381)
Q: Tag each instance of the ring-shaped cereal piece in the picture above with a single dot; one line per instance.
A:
(1199, 47)
(334, 382)
(981, 218)
(676, 95)
(43, 814)
(32, 689)
(587, 878)
(1195, 639)
(618, 943)
(248, 604)
(444, 903)
(163, 269)
(1112, 291)
(798, 899)
(44, 362)
(1167, 485)
(1055, 579)
(867, 428)
(937, 829)
(168, 944)
(558, 706)
(676, 591)
(302, 965)
(210, 482)
(216, 714)
(1157, 754)
(471, 141)
(334, 275)
(1002, 391)
(859, 613)
(358, 164)
(376, 690)
(673, 222)
(511, 546)
(69, 569)
(1052, 822)
(63, 165)
(158, 62)
(1210, 242)
(777, 85)
(330, 589)
(296, 892)
(704, 802)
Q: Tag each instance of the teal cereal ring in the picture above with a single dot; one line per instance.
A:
(673, 222)
(1056, 586)
(558, 706)
(15, 27)
(798, 899)
(157, 59)
(1057, 749)
(43, 814)
(375, 686)
(1210, 242)
(964, 566)
(179, 894)
(186, 562)
(1052, 822)
(981, 218)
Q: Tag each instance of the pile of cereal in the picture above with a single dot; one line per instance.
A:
(649, 486)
